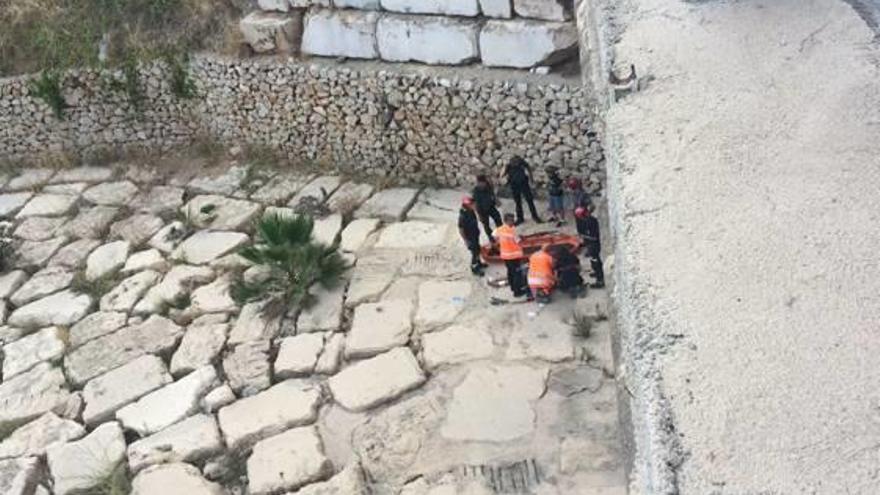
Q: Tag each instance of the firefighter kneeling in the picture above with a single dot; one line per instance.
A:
(541, 276)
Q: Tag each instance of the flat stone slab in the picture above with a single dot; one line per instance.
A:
(136, 229)
(169, 404)
(200, 346)
(349, 481)
(95, 325)
(155, 335)
(225, 181)
(177, 282)
(321, 188)
(111, 193)
(441, 301)
(340, 33)
(327, 229)
(62, 309)
(496, 8)
(124, 296)
(25, 353)
(247, 367)
(74, 255)
(11, 281)
(542, 9)
(287, 461)
(82, 174)
(40, 228)
(298, 355)
(285, 405)
(221, 213)
(254, 324)
(190, 440)
(432, 40)
(389, 204)
(174, 479)
(92, 223)
(44, 282)
(160, 200)
(523, 43)
(495, 403)
(11, 203)
(106, 259)
(368, 281)
(115, 389)
(206, 246)
(33, 393)
(546, 338)
(30, 178)
(456, 344)
(437, 205)
(47, 205)
(149, 259)
(35, 437)
(70, 188)
(349, 197)
(82, 465)
(378, 327)
(37, 253)
(280, 188)
(382, 378)
(331, 357)
(168, 237)
(356, 233)
(19, 476)
(325, 315)
(467, 8)
(219, 397)
(412, 235)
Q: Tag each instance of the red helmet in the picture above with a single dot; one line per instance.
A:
(580, 212)
(467, 201)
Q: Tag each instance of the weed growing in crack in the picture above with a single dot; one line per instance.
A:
(114, 482)
(95, 288)
(47, 87)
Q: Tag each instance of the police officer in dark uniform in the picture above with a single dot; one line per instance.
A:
(517, 172)
(469, 229)
(486, 204)
(588, 229)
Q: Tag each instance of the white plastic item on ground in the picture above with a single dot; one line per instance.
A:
(427, 39)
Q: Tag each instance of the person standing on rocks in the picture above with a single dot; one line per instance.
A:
(588, 229)
(511, 252)
(469, 229)
(518, 173)
(486, 204)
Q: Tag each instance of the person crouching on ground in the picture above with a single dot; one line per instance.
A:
(486, 204)
(568, 272)
(511, 252)
(541, 275)
(588, 229)
(469, 229)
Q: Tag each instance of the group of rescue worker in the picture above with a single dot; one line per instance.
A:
(553, 267)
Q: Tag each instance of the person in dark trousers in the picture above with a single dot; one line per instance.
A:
(517, 172)
(568, 271)
(588, 229)
(486, 204)
(469, 229)
(511, 252)
(556, 195)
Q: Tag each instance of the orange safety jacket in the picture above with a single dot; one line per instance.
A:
(508, 243)
(541, 271)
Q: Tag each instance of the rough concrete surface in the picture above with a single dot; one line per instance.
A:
(743, 183)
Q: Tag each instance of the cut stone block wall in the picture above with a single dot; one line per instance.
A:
(395, 123)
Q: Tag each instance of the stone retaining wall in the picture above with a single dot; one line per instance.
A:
(378, 122)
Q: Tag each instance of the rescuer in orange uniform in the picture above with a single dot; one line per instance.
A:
(512, 254)
(541, 276)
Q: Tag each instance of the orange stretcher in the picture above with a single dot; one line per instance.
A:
(533, 242)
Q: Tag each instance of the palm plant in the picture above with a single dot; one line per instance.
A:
(284, 245)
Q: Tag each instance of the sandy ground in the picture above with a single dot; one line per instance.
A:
(744, 185)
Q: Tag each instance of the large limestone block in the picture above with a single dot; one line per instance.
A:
(124, 296)
(30, 178)
(111, 193)
(496, 8)
(39, 228)
(221, 213)
(285, 405)
(25, 353)
(546, 338)
(287, 461)
(73, 255)
(389, 204)
(48, 205)
(200, 346)
(174, 479)
(221, 180)
(327, 229)
(35, 437)
(428, 39)
(11, 281)
(267, 32)
(456, 344)
(219, 397)
(82, 465)
(43, 283)
(62, 308)
(160, 200)
(156, 335)
(523, 44)
(33, 393)
(441, 301)
(349, 481)
(357, 4)
(19, 476)
(36, 253)
(325, 315)
(331, 356)
(349, 197)
(444, 7)
(247, 367)
(376, 380)
(298, 355)
(149, 259)
(177, 282)
(190, 440)
(368, 281)
(136, 229)
(10, 203)
(356, 233)
(340, 33)
(206, 246)
(495, 403)
(548, 10)
(213, 298)
(169, 404)
(280, 188)
(110, 392)
(85, 173)
(378, 327)
(91, 223)
(412, 235)
(106, 259)
(95, 325)
(254, 324)
(437, 205)
(321, 189)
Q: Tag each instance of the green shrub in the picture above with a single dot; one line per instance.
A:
(182, 85)
(47, 87)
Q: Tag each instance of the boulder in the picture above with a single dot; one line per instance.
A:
(136, 229)
(254, 324)
(285, 405)
(441, 301)
(496, 8)
(91, 223)
(11, 281)
(155, 335)
(25, 353)
(221, 213)
(200, 346)
(110, 392)
(10, 203)
(124, 296)
(217, 398)
(174, 479)
(355, 234)
(35, 437)
(168, 237)
(47, 205)
(555, 10)
(82, 465)
(176, 283)
(213, 298)
(267, 32)
(19, 476)
(169, 404)
(36, 253)
(523, 43)
(220, 180)
(287, 461)
(280, 188)
(150, 259)
(30, 179)
(43, 283)
(456, 344)
(468, 8)
(111, 193)
(40, 228)
(206, 246)
(389, 204)
(62, 308)
(95, 325)
(349, 481)
(297, 356)
(73, 255)
(32, 393)
(378, 327)
(160, 200)
(373, 381)
(325, 315)
(340, 33)
(106, 259)
(247, 367)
